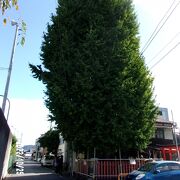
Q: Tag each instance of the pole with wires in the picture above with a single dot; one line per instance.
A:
(175, 137)
(10, 67)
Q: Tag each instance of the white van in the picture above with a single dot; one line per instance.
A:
(28, 155)
(47, 160)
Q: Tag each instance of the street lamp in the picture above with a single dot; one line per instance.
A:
(174, 130)
(8, 108)
(13, 23)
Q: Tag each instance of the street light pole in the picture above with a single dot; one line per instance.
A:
(174, 129)
(8, 108)
(10, 67)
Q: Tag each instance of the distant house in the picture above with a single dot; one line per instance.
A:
(163, 144)
(164, 129)
(29, 148)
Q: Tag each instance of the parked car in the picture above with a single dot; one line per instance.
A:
(47, 160)
(28, 155)
(157, 170)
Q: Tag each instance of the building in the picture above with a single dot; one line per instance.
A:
(62, 149)
(163, 143)
(164, 129)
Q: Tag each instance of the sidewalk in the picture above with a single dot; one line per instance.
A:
(38, 176)
(34, 171)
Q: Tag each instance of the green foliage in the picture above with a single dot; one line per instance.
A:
(13, 145)
(23, 32)
(7, 4)
(50, 140)
(99, 91)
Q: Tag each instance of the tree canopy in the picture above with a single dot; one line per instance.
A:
(50, 140)
(98, 89)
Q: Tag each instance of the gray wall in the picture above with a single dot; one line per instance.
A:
(4, 139)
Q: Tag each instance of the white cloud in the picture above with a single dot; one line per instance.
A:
(29, 118)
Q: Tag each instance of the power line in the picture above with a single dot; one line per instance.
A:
(157, 26)
(154, 34)
(163, 48)
(165, 55)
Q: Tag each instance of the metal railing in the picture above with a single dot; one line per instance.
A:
(107, 168)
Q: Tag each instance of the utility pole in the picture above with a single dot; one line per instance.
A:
(8, 107)
(175, 137)
(13, 23)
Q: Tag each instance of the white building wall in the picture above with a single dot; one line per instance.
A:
(163, 116)
(168, 134)
(62, 149)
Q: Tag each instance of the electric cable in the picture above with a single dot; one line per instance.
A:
(163, 48)
(165, 55)
(154, 34)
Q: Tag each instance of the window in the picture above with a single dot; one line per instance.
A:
(162, 167)
(160, 113)
(49, 157)
(147, 167)
(159, 133)
(174, 166)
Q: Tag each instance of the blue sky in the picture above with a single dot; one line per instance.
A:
(36, 14)
(166, 73)
(28, 115)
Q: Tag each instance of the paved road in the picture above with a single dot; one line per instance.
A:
(34, 171)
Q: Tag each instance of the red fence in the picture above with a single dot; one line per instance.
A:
(107, 168)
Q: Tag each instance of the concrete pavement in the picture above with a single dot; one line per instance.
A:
(34, 171)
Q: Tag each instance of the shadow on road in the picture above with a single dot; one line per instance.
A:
(31, 176)
(33, 171)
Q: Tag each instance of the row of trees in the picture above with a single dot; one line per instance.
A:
(98, 89)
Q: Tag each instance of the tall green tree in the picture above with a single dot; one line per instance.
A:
(98, 89)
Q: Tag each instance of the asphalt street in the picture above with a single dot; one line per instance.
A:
(34, 171)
